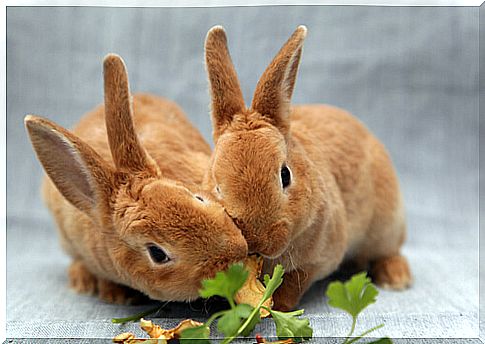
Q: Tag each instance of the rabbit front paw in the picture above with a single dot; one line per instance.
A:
(81, 279)
(112, 292)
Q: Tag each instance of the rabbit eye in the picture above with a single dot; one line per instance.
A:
(285, 176)
(157, 254)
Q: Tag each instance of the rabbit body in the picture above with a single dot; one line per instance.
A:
(119, 189)
(345, 156)
(309, 186)
(354, 212)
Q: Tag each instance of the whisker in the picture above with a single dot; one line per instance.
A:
(293, 266)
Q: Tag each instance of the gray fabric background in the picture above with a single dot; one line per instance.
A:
(410, 74)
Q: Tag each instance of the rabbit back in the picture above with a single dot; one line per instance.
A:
(336, 141)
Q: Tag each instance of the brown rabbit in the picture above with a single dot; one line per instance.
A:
(125, 198)
(309, 186)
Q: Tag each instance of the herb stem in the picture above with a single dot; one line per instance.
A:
(365, 333)
(255, 311)
(354, 321)
(213, 317)
(136, 316)
(231, 303)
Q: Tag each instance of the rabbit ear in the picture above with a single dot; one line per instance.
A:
(128, 154)
(227, 98)
(78, 172)
(273, 93)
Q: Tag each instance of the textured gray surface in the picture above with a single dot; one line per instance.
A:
(482, 173)
(251, 341)
(410, 74)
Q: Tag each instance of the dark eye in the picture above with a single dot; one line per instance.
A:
(199, 198)
(285, 176)
(157, 254)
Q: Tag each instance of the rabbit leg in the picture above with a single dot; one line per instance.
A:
(81, 279)
(295, 284)
(391, 272)
(112, 292)
(388, 268)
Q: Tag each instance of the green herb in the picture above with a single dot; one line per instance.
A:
(225, 284)
(230, 322)
(136, 317)
(240, 320)
(353, 297)
(288, 326)
(274, 282)
(196, 335)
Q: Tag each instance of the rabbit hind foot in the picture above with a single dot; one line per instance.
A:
(391, 273)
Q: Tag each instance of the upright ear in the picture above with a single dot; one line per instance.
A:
(272, 96)
(77, 171)
(226, 95)
(128, 154)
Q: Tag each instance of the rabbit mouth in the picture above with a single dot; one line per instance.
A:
(271, 256)
(237, 222)
(268, 249)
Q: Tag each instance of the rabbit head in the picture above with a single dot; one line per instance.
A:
(157, 235)
(252, 170)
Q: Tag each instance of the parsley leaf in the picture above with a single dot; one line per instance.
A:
(232, 319)
(226, 283)
(353, 296)
(274, 282)
(241, 319)
(195, 335)
(288, 326)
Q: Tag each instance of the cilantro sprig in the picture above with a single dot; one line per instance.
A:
(353, 297)
(240, 320)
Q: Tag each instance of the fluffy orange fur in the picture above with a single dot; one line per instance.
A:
(343, 202)
(127, 177)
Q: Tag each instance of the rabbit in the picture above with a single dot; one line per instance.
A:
(123, 189)
(309, 186)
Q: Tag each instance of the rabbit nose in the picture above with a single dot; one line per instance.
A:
(253, 247)
(236, 248)
(241, 249)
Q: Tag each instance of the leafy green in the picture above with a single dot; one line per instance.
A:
(254, 318)
(226, 283)
(240, 320)
(232, 320)
(136, 317)
(352, 296)
(274, 282)
(288, 326)
(252, 321)
(195, 335)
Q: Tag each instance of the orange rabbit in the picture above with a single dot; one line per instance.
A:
(125, 197)
(309, 186)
